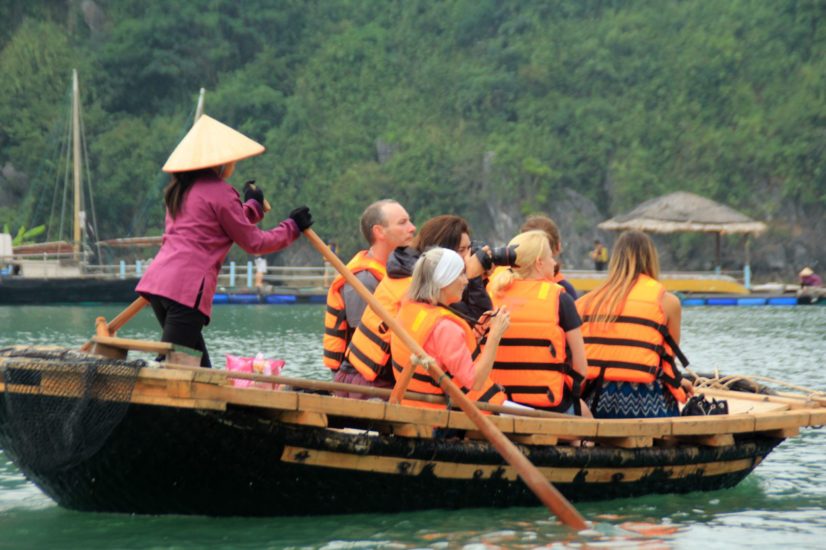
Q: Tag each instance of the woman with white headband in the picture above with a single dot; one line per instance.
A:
(438, 281)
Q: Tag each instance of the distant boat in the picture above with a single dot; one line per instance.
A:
(59, 271)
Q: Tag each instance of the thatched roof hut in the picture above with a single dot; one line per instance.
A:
(681, 212)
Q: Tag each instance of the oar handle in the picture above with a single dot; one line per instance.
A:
(126, 315)
(102, 328)
(541, 487)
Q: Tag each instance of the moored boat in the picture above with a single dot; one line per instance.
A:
(109, 434)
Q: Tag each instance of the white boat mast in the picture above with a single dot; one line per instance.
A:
(76, 236)
(199, 108)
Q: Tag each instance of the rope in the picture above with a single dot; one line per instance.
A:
(725, 382)
(89, 187)
(53, 146)
(150, 198)
(426, 362)
(64, 145)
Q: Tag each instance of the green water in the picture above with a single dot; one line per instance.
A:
(782, 504)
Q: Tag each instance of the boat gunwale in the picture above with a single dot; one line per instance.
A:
(209, 389)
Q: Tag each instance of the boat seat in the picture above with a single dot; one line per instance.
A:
(742, 406)
(117, 348)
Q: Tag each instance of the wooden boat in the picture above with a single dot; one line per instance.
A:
(100, 432)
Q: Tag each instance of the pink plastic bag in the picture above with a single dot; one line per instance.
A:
(254, 365)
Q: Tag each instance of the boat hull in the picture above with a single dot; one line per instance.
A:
(43, 291)
(239, 462)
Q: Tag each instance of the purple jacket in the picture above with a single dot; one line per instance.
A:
(197, 241)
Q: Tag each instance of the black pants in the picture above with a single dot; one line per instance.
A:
(181, 325)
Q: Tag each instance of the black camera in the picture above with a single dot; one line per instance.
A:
(500, 255)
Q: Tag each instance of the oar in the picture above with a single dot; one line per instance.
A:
(102, 328)
(540, 486)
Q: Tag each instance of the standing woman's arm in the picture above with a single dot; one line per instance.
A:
(234, 218)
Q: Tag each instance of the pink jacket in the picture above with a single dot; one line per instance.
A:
(196, 243)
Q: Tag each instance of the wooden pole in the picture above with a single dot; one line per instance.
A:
(115, 324)
(545, 492)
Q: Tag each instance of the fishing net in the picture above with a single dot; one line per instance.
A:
(59, 406)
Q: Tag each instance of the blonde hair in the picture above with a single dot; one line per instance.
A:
(423, 287)
(633, 255)
(530, 246)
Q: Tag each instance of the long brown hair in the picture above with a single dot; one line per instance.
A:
(444, 231)
(633, 255)
(175, 190)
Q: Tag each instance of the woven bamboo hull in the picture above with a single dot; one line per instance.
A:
(184, 442)
(162, 460)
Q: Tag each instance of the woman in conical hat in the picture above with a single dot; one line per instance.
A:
(204, 217)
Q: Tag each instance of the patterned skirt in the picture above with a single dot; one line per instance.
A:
(631, 400)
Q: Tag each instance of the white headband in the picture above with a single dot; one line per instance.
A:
(450, 266)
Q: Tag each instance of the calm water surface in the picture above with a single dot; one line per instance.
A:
(782, 504)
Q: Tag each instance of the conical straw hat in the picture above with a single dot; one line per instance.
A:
(210, 143)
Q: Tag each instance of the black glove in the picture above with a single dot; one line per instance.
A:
(302, 217)
(252, 192)
(504, 255)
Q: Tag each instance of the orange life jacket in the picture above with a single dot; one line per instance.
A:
(532, 363)
(637, 346)
(337, 332)
(419, 320)
(369, 349)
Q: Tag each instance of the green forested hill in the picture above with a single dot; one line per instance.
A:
(489, 109)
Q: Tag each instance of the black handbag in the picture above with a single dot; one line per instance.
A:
(698, 405)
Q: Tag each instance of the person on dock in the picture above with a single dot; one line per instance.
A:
(260, 272)
(438, 281)
(808, 278)
(631, 328)
(204, 217)
(599, 255)
(541, 359)
(546, 224)
(369, 349)
(385, 225)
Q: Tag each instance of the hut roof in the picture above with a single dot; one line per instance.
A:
(682, 211)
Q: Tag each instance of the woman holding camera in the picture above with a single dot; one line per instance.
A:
(204, 217)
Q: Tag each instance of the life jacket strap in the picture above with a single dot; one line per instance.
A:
(337, 333)
(375, 367)
(516, 365)
(337, 356)
(375, 338)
